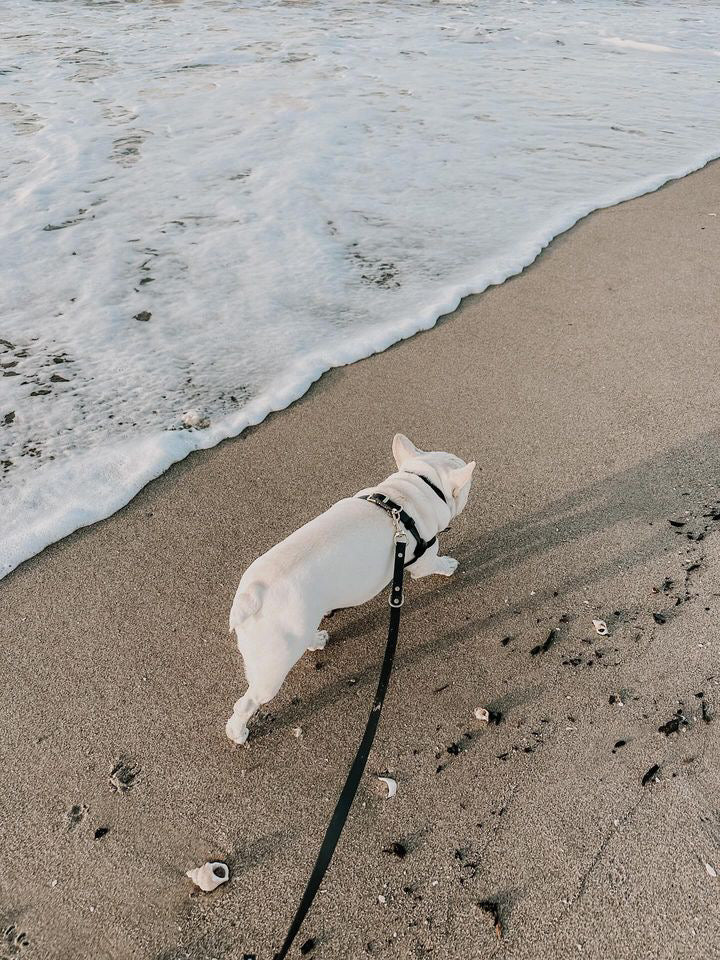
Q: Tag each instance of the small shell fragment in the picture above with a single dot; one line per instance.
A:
(601, 627)
(391, 785)
(209, 875)
(297, 731)
(711, 871)
(195, 420)
(482, 714)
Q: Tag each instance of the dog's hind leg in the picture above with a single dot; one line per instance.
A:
(245, 708)
(265, 669)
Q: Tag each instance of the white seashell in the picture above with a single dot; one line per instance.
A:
(209, 875)
(391, 785)
(195, 420)
(711, 871)
(601, 627)
(482, 714)
(297, 731)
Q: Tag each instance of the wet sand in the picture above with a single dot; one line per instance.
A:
(587, 389)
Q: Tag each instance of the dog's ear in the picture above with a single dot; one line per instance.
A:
(403, 449)
(460, 478)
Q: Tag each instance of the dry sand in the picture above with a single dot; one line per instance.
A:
(588, 391)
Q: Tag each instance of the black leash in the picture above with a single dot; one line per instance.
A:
(342, 808)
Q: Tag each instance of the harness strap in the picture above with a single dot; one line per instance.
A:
(342, 808)
(429, 482)
(389, 506)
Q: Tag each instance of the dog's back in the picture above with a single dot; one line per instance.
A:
(339, 559)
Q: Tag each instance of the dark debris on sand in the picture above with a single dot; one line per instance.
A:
(674, 724)
(544, 647)
(397, 848)
(493, 910)
(652, 775)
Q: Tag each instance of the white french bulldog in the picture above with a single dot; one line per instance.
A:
(340, 559)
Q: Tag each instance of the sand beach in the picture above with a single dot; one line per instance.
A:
(585, 824)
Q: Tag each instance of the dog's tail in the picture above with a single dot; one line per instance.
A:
(246, 604)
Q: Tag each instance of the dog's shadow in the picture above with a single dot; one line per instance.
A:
(680, 480)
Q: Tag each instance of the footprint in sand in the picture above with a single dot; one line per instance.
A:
(13, 940)
(76, 814)
(123, 775)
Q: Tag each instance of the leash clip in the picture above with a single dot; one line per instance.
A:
(399, 532)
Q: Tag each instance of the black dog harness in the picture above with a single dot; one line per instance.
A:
(396, 511)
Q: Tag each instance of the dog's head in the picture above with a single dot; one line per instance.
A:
(451, 473)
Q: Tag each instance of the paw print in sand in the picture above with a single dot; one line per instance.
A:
(123, 775)
(75, 815)
(13, 941)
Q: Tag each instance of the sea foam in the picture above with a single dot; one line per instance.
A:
(208, 204)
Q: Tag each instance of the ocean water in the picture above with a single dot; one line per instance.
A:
(208, 203)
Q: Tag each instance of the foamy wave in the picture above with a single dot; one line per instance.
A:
(210, 205)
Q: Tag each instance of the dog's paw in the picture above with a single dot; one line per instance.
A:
(446, 566)
(236, 731)
(319, 640)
